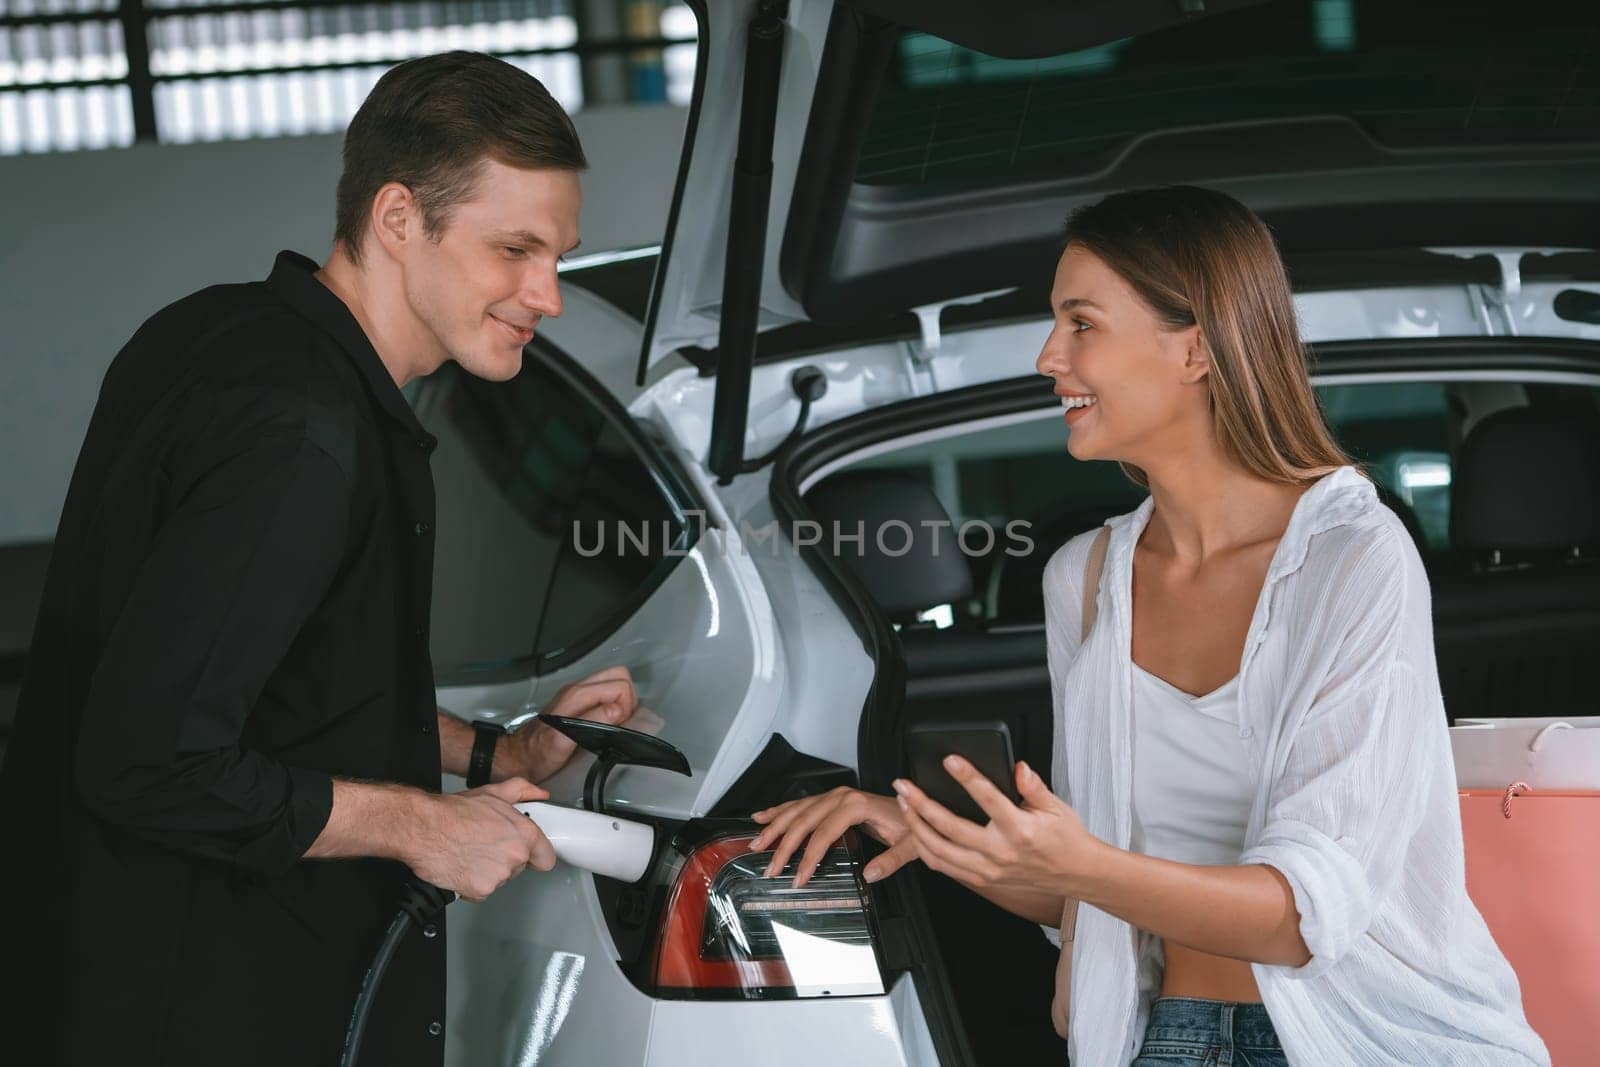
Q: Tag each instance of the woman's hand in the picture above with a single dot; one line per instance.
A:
(1041, 846)
(824, 819)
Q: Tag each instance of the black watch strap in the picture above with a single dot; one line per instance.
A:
(484, 736)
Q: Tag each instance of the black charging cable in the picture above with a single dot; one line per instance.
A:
(420, 904)
(809, 385)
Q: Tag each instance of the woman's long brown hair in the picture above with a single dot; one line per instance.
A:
(1198, 256)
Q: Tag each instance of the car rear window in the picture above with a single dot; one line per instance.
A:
(1406, 434)
(1410, 74)
(536, 484)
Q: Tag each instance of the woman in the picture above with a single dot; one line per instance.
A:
(1274, 866)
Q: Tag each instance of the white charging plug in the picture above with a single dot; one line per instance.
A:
(594, 841)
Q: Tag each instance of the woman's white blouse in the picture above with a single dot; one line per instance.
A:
(1340, 710)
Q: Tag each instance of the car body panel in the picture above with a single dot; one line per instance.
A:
(601, 337)
(703, 653)
(716, 677)
(888, 372)
(534, 980)
(886, 1030)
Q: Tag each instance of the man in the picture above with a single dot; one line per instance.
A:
(227, 755)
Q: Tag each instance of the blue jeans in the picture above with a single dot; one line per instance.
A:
(1209, 1033)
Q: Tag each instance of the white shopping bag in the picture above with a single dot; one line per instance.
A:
(1548, 753)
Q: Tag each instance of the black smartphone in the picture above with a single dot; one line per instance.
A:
(986, 744)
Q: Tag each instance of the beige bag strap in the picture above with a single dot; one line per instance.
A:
(1091, 603)
(1061, 1003)
(1091, 579)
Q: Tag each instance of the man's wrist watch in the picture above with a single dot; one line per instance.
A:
(481, 763)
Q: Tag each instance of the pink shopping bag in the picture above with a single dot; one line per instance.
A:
(1533, 870)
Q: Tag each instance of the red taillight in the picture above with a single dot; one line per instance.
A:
(730, 931)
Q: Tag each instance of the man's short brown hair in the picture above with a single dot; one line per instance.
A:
(430, 123)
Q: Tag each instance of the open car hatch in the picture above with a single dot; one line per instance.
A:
(880, 155)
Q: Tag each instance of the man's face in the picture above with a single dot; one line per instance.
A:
(483, 287)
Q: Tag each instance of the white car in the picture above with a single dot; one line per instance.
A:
(616, 502)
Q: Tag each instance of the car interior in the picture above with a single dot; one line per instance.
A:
(1001, 968)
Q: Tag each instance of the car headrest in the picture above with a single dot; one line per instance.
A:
(1016, 583)
(907, 568)
(1405, 513)
(1527, 481)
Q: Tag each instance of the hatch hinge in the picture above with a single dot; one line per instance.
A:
(929, 318)
(1498, 301)
(1494, 302)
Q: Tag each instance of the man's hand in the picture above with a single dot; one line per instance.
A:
(536, 751)
(475, 842)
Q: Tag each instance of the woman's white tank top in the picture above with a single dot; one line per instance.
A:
(1192, 779)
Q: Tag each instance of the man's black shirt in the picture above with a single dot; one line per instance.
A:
(235, 613)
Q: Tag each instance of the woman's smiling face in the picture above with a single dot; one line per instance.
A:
(1128, 381)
